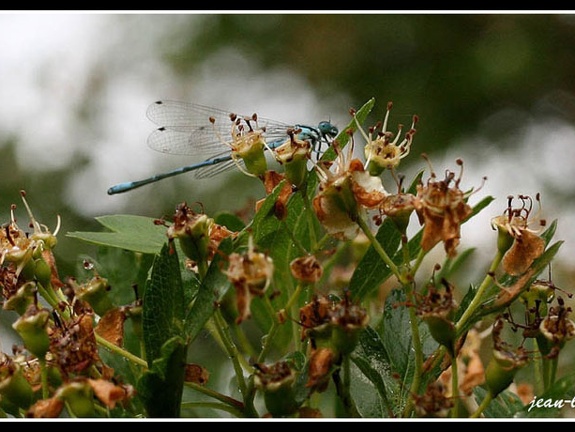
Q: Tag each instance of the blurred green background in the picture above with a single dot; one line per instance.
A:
(494, 89)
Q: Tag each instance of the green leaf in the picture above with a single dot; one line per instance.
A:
(161, 387)
(163, 303)
(230, 221)
(212, 289)
(395, 332)
(135, 233)
(371, 271)
(506, 405)
(370, 358)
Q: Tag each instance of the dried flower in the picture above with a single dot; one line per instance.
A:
(345, 194)
(73, 345)
(437, 309)
(306, 269)
(251, 274)
(382, 151)
(30, 252)
(247, 144)
(434, 402)
(294, 155)
(520, 244)
(505, 362)
(441, 207)
(198, 234)
(276, 382)
(556, 330)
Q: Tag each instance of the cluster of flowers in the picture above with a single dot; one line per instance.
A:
(60, 334)
(348, 190)
(58, 364)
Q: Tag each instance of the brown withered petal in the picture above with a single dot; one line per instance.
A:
(397, 204)
(243, 303)
(525, 249)
(74, 347)
(320, 363)
(509, 293)
(434, 402)
(217, 234)
(432, 229)
(55, 279)
(111, 326)
(109, 393)
(46, 408)
(335, 220)
(196, 374)
(367, 189)
(306, 269)
(271, 179)
(314, 314)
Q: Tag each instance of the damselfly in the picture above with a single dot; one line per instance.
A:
(197, 130)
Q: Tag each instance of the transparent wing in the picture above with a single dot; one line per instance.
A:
(186, 129)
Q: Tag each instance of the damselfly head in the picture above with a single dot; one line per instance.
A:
(327, 129)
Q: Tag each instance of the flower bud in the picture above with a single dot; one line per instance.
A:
(555, 330)
(248, 144)
(13, 384)
(504, 363)
(502, 368)
(276, 383)
(398, 207)
(348, 322)
(95, 293)
(79, 399)
(42, 272)
(294, 155)
(32, 329)
(24, 297)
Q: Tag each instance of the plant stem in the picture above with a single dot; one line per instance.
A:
(310, 217)
(292, 307)
(235, 404)
(377, 246)
(476, 302)
(44, 378)
(417, 347)
(454, 385)
(484, 403)
(344, 389)
(128, 355)
(234, 354)
(271, 333)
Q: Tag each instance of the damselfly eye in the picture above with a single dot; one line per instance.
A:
(326, 128)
